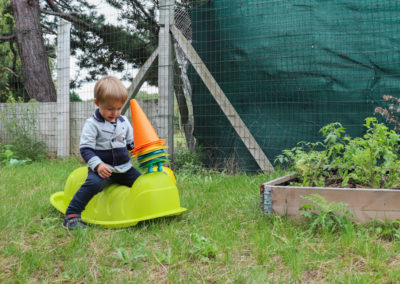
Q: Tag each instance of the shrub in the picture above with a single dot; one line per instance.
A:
(21, 125)
(74, 97)
(8, 158)
(184, 160)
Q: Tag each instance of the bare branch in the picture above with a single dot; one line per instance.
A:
(6, 37)
(14, 59)
(48, 30)
(9, 70)
(52, 5)
(50, 54)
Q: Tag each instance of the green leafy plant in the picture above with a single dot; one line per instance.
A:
(372, 160)
(131, 257)
(308, 161)
(21, 124)
(186, 161)
(7, 157)
(323, 216)
(202, 247)
(388, 230)
(6, 153)
(166, 257)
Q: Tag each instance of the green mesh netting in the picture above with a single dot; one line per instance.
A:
(290, 67)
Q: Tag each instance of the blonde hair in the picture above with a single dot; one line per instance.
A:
(110, 88)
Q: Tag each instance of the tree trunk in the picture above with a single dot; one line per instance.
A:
(186, 120)
(34, 62)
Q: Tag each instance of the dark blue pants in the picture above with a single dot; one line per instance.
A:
(95, 184)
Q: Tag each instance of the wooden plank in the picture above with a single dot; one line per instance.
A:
(279, 180)
(223, 101)
(140, 78)
(365, 204)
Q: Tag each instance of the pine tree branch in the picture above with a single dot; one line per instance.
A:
(65, 16)
(57, 12)
(48, 30)
(115, 39)
(143, 10)
(104, 31)
(62, 4)
(74, 20)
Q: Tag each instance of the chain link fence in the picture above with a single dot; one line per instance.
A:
(238, 80)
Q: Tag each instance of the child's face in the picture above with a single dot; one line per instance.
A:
(110, 110)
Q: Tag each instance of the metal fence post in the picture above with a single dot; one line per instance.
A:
(165, 75)
(63, 66)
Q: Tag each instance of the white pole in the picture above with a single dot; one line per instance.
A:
(165, 75)
(63, 57)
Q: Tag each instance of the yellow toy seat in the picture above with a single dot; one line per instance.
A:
(152, 195)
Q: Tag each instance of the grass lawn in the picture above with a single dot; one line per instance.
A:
(222, 238)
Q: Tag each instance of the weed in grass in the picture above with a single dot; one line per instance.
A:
(387, 230)
(131, 257)
(166, 256)
(323, 216)
(202, 247)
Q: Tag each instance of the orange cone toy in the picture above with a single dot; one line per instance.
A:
(149, 149)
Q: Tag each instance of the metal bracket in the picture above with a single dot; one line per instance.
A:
(266, 199)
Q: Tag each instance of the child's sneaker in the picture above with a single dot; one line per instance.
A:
(73, 221)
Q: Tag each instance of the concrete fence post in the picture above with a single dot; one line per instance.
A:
(165, 75)
(63, 78)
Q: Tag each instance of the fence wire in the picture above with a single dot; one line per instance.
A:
(268, 73)
(288, 69)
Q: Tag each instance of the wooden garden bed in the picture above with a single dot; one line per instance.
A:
(366, 204)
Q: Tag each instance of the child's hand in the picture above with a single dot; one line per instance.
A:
(103, 171)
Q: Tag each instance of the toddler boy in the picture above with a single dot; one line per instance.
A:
(105, 140)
